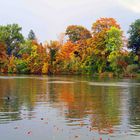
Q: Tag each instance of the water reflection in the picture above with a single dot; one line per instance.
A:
(74, 102)
(134, 110)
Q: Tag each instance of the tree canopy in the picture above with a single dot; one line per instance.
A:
(76, 33)
(98, 51)
(11, 36)
(31, 35)
(134, 38)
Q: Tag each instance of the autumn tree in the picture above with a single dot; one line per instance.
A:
(119, 61)
(12, 65)
(76, 33)
(37, 58)
(99, 31)
(66, 50)
(104, 24)
(52, 48)
(66, 57)
(3, 58)
(33, 58)
(105, 31)
(83, 52)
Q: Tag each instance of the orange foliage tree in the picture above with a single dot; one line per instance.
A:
(3, 58)
(38, 58)
(76, 33)
(66, 51)
(99, 31)
(100, 34)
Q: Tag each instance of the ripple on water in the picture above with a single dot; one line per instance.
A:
(29, 77)
(61, 82)
(117, 84)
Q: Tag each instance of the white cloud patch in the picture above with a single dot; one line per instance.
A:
(64, 3)
(133, 5)
(48, 18)
(58, 14)
(57, 4)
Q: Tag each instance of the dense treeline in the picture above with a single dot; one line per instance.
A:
(78, 50)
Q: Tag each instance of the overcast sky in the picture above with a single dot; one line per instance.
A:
(48, 18)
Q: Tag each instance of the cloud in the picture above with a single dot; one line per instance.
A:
(64, 3)
(133, 5)
(48, 18)
(56, 4)
(58, 14)
(55, 15)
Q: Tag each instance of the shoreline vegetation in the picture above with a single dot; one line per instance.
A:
(103, 51)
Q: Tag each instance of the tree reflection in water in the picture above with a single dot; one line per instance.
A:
(99, 108)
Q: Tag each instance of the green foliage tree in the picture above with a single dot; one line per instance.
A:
(114, 41)
(11, 36)
(114, 44)
(22, 66)
(25, 48)
(31, 35)
(134, 38)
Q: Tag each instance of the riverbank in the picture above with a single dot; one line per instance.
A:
(100, 75)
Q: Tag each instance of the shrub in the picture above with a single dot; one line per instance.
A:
(133, 68)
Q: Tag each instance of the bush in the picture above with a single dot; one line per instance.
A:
(133, 68)
(22, 67)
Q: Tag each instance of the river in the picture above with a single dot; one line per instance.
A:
(69, 108)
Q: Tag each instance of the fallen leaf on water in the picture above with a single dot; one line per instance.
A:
(76, 136)
(16, 128)
(81, 124)
(111, 131)
(29, 132)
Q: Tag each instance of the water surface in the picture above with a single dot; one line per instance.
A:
(69, 108)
